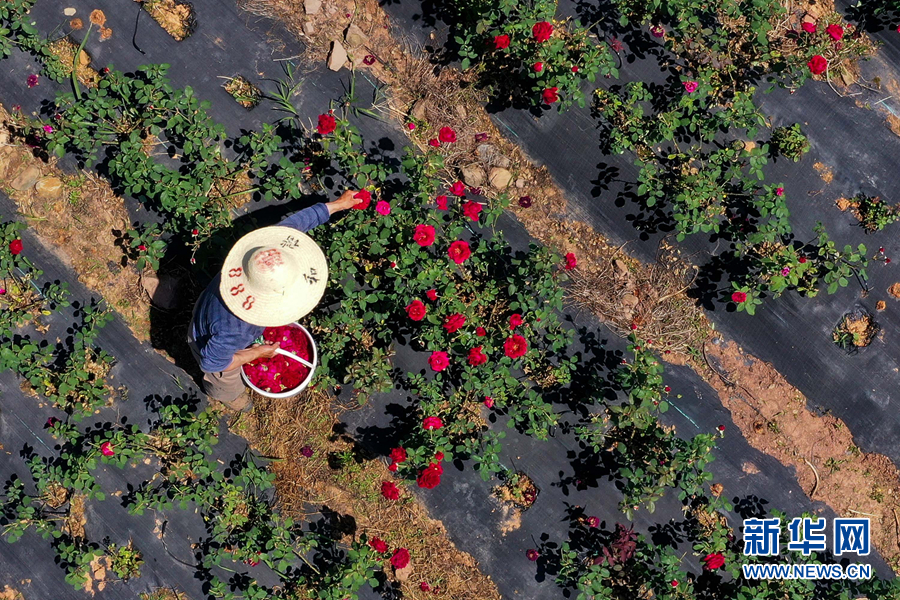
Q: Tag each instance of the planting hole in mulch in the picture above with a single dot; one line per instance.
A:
(63, 51)
(244, 93)
(176, 17)
(894, 290)
(873, 213)
(517, 489)
(856, 330)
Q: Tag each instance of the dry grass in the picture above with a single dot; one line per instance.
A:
(305, 486)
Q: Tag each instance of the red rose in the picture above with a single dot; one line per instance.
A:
(434, 142)
(378, 545)
(835, 31)
(574, 69)
(489, 402)
(430, 477)
(447, 135)
(808, 27)
(106, 449)
(593, 522)
(459, 251)
(423, 585)
(432, 295)
(721, 428)
(532, 554)
(389, 490)
(477, 357)
(400, 559)
(779, 191)
(739, 297)
(424, 235)
(542, 31)
(429, 423)
(398, 455)
(515, 346)
(416, 310)
(480, 331)
(550, 95)
(571, 261)
(458, 188)
(501, 42)
(392, 467)
(327, 124)
(383, 208)
(15, 247)
(674, 583)
(801, 260)
(538, 67)
(439, 456)
(817, 64)
(195, 231)
(713, 561)
(454, 322)
(364, 197)
(142, 248)
(441, 202)
(471, 210)
(438, 360)
(515, 320)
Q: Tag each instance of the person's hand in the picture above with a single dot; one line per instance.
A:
(344, 202)
(266, 350)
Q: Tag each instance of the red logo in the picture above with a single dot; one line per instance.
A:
(248, 303)
(267, 259)
(239, 288)
(235, 272)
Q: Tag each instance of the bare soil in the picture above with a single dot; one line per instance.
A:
(8, 593)
(519, 491)
(858, 329)
(64, 50)
(776, 419)
(83, 224)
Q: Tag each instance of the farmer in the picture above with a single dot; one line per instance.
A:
(271, 277)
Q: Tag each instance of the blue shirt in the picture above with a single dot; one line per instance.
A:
(217, 332)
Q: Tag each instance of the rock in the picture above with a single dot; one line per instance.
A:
(162, 292)
(312, 7)
(630, 300)
(500, 178)
(26, 179)
(473, 176)
(621, 267)
(520, 183)
(337, 57)
(83, 59)
(309, 28)
(69, 12)
(49, 187)
(330, 9)
(354, 36)
(418, 109)
(492, 156)
(404, 573)
(460, 111)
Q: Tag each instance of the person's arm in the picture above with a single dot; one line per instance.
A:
(242, 357)
(315, 215)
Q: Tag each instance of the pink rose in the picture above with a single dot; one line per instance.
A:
(382, 208)
(690, 86)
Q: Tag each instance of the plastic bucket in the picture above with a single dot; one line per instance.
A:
(311, 365)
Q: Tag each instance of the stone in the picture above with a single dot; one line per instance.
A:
(26, 179)
(404, 573)
(312, 7)
(337, 57)
(621, 267)
(520, 183)
(309, 28)
(69, 12)
(500, 178)
(460, 111)
(354, 36)
(49, 187)
(492, 156)
(473, 176)
(418, 109)
(630, 300)
(162, 292)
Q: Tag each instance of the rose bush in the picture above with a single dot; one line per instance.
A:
(523, 55)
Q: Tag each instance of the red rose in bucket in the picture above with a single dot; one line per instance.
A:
(280, 373)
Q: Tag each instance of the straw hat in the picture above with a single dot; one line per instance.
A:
(273, 276)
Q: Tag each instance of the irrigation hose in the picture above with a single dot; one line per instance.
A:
(137, 20)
